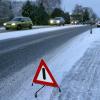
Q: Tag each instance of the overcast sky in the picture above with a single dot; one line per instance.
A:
(68, 5)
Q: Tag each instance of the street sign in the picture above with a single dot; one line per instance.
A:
(43, 76)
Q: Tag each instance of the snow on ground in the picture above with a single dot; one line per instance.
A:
(2, 28)
(82, 82)
(60, 62)
(34, 27)
(40, 26)
(16, 34)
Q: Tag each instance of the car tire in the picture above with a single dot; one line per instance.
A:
(19, 27)
(59, 24)
(30, 27)
(7, 28)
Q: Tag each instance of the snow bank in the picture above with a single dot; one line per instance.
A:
(16, 34)
(2, 28)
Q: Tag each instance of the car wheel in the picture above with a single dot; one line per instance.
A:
(19, 27)
(63, 24)
(7, 28)
(30, 27)
(59, 24)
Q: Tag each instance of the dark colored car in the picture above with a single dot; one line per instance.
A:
(98, 24)
(19, 23)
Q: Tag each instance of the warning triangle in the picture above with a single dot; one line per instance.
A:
(43, 75)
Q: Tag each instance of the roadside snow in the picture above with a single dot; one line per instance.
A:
(16, 34)
(60, 61)
(2, 28)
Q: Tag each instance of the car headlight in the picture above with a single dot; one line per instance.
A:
(58, 21)
(13, 24)
(75, 22)
(51, 21)
(5, 24)
(72, 22)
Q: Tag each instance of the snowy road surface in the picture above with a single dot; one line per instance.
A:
(13, 40)
(21, 33)
(62, 54)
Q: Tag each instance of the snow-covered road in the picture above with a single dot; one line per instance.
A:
(38, 30)
(71, 72)
(79, 79)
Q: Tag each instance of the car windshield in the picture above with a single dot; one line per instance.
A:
(16, 19)
(57, 18)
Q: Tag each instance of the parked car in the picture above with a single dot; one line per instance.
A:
(98, 24)
(19, 23)
(57, 21)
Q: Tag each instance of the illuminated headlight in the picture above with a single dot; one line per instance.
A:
(51, 21)
(75, 22)
(13, 24)
(5, 24)
(72, 22)
(58, 21)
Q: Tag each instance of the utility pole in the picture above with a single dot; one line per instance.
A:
(91, 24)
(90, 28)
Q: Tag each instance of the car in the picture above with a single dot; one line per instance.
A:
(19, 23)
(57, 21)
(98, 24)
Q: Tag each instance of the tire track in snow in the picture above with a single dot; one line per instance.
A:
(83, 81)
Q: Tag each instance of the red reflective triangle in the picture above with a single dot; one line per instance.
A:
(41, 81)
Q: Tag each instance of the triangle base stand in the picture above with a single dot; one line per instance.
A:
(38, 91)
(42, 88)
